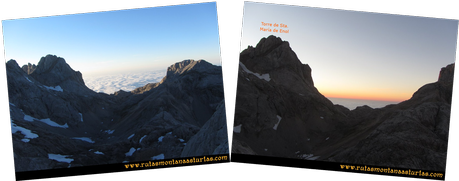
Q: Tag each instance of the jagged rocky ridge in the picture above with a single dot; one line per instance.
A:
(280, 113)
(58, 122)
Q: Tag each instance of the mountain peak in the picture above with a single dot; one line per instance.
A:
(12, 63)
(29, 68)
(53, 70)
(182, 66)
(446, 74)
(188, 65)
(266, 45)
(274, 56)
(13, 66)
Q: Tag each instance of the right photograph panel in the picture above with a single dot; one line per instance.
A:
(344, 90)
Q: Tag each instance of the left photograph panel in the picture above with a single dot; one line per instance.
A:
(115, 91)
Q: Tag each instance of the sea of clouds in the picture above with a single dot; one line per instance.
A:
(109, 84)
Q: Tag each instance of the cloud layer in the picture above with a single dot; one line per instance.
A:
(127, 82)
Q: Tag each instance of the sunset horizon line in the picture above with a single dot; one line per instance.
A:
(368, 99)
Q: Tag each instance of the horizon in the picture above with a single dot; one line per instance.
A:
(365, 99)
(120, 41)
(358, 55)
(126, 80)
(352, 104)
(123, 71)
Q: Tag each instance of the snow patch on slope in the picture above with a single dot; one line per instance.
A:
(140, 141)
(308, 156)
(60, 158)
(53, 124)
(158, 157)
(110, 131)
(237, 129)
(277, 124)
(130, 152)
(98, 152)
(89, 140)
(46, 121)
(26, 132)
(131, 136)
(160, 139)
(28, 79)
(263, 76)
(55, 88)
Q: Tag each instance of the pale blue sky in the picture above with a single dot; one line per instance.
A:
(118, 41)
(364, 54)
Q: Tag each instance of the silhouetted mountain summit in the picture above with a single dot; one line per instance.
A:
(278, 109)
(52, 71)
(189, 65)
(155, 121)
(447, 74)
(280, 113)
(274, 56)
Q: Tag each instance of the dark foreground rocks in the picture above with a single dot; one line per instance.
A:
(411, 134)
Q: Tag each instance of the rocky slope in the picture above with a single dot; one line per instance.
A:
(280, 113)
(411, 134)
(278, 109)
(211, 135)
(58, 122)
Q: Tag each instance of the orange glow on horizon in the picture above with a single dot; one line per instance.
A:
(368, 96)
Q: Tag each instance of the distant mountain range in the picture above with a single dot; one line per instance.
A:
(279, 113)
(58, 122)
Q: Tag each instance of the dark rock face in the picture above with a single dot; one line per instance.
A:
(285, 116)
(53, 70)
(207, 139)
(58, 122)
(407, 139)
(270, 55)
(282, 114)
(446, 74)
